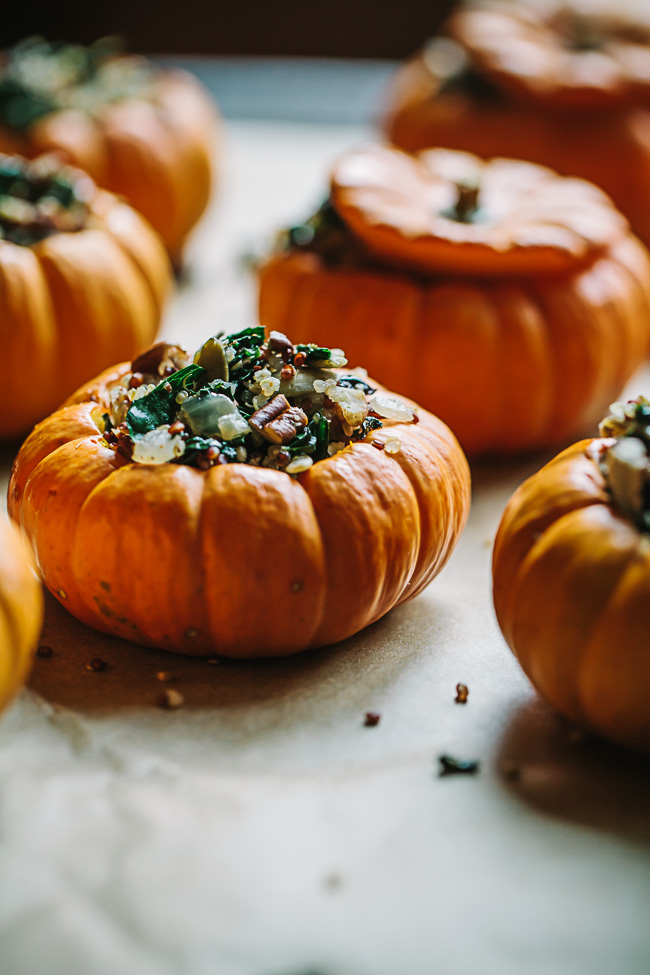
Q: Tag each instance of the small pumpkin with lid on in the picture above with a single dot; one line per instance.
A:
(146, 133)
(564, 83)
(21, 612)
(83, 279)
(571, 574)
(512, 302)
(257, 501)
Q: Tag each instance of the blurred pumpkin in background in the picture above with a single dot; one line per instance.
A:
(21, 612)
(565, 83)
(145, 133)
(571, 575)
(83, 279)
(512, 302)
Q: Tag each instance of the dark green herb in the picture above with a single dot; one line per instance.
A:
(159, 406)
(313, 353)
(369, 424)
(355, 383)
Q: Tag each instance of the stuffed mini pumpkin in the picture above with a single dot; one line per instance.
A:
(510, 301)
(572, 578)
(21, 612)
(145, 133)
(83, 278)
(256, 501)
(565, 83)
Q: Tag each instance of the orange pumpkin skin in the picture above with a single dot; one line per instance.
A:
(21, 612)
(513, 362)
(156, 152)
(238, 560)
(571, 591)
(74, 302)
(610, 147)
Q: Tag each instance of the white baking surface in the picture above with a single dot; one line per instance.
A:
(261, 829)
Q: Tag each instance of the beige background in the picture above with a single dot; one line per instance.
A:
(262, 830)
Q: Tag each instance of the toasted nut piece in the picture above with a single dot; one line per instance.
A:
(278, 342)
(160, 360)
(268, 412)
(212, 358)
(284, 428)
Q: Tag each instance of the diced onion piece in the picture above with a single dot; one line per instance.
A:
(157, 447)
(391, 408)
(299, 464)
(352, 403)
(203, 413)
(233, 425)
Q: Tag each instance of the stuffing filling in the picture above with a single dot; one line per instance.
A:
(325, 234)
(41, 198)
(245, 399)
(38, 78)
(625, 464)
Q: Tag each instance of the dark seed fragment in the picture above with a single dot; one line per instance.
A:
(462, 693)
(457, 766)
(97, 665)
(372, 719)
(45, 652)
(171, 699)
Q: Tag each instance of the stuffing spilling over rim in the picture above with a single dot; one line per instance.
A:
(625, 462)
(38, 78)
(41, 198)
(248, 400)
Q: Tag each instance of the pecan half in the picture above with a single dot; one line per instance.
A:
(160, 360)
(284, 428)
(268, 412)
(278, 342)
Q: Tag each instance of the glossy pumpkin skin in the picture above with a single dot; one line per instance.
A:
(74, 302)
(609, 147)
(21, 612)
(511, 362)
(237, 560)
(571, 591)
(156, 152)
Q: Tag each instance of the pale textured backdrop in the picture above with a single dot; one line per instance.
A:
(262, 830)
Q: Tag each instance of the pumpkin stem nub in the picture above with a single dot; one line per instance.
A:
(466, 203)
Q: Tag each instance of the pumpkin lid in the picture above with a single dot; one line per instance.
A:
(443, 210)
(569, 52)
(40, 198)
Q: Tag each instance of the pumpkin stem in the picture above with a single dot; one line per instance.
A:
(466, 203)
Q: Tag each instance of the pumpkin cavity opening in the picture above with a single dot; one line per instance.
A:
(625, 463)
(244, 399)
(41, 198)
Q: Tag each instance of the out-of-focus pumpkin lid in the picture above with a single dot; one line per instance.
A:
(448, 211)
(565, 52)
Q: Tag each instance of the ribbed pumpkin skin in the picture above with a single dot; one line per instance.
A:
(73, 303)
(609, 147)
(157, 153)
(21, 612)
(509, 364)
(571, 593)
(237, 560)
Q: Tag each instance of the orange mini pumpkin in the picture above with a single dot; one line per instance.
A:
(145, 133)
(255, 502)
(21, 612)
(510, 301)
(83, 279)
(565, 84)
(572, 579)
